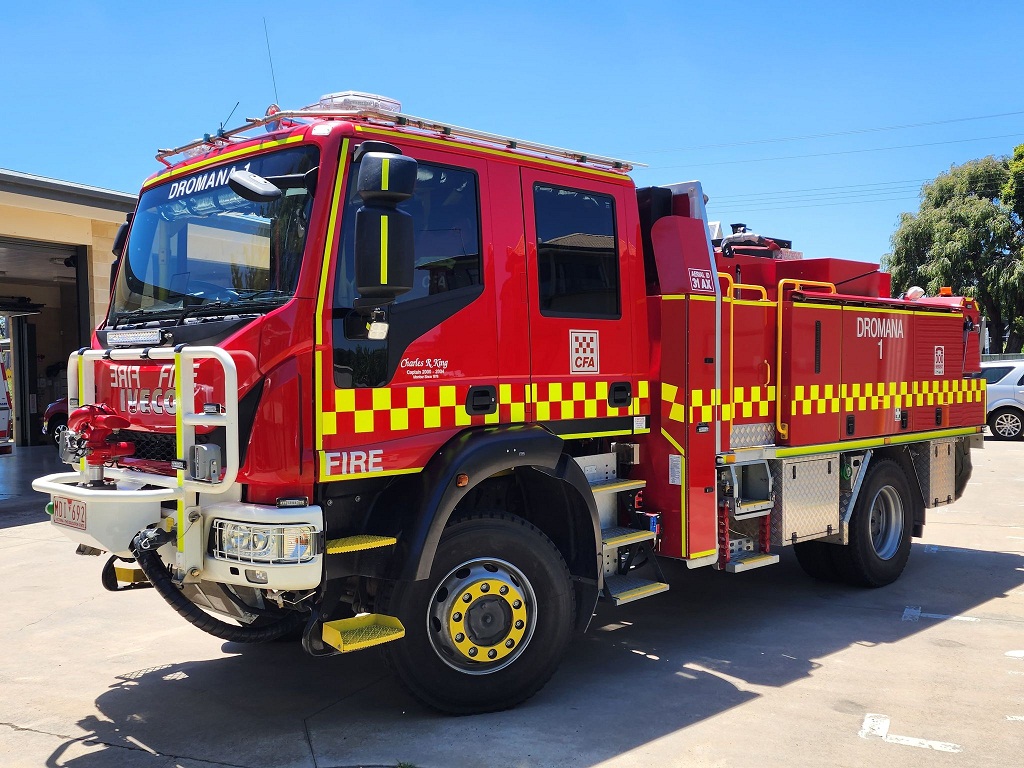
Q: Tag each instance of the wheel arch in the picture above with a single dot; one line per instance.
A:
(552, 491)
(1003, 402)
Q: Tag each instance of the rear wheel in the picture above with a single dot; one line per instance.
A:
(1006, 424)
(488, 628)
(880, 529)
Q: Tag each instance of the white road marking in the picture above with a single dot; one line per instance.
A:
(877, 727)
(931, 548)
(1017, 718)
(913, 613)
(1015, 654)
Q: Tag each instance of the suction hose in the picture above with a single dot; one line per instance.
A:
(144, 548)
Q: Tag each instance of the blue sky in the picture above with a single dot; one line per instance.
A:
(90, 90)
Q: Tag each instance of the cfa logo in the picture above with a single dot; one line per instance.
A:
(584, 352)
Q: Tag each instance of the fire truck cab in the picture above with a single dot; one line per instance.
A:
(370, 379)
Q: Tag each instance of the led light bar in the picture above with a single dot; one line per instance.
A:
(357, 100)
(143, 338)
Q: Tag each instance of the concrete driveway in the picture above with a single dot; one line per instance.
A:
(761, 668)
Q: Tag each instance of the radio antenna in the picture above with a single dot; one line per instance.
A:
(272, 77)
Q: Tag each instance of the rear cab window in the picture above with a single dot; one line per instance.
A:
(577, 262)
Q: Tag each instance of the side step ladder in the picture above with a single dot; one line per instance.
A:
(626, 551)
(622, 547)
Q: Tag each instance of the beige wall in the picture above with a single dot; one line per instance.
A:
(51, 221)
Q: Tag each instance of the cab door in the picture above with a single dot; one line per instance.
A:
(581, 342)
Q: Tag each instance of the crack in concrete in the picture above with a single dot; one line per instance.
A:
(90, 739)
(51, 613)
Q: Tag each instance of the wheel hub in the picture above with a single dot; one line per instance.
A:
(1008, 425)
(482, 616)
(886, 522)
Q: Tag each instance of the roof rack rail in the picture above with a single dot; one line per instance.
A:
(406, 121)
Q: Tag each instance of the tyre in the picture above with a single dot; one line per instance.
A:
(880, 529)
(1006, 424)
(816, 558)
(56, 428)
(488, 628)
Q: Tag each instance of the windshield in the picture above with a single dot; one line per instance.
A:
(196, 247)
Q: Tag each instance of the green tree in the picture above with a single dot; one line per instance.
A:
(1013, 189)
(967, 237)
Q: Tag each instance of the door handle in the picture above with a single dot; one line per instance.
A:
(481, 400)
(620, 394)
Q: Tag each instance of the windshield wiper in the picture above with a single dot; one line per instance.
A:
(241, 306)
(146, 315)
(258, 293)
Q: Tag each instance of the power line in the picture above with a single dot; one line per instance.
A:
(817, 189)
(840, 152)
(756, 206)
(714, 212)
(903, 188)
(991, 189)
(852, 132)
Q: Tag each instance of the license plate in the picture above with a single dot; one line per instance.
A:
(69, 512)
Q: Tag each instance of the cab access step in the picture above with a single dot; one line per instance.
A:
(630, 566)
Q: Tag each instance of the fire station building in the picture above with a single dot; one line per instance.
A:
(55, 258)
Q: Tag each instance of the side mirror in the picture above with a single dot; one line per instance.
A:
(253, 188)
(121, 238)
(120, 241)
(384, 235)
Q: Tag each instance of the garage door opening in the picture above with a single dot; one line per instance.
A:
(43, 301)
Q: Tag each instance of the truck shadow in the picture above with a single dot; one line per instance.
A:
(642, 672)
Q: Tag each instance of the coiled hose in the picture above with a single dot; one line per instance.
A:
(160, 578)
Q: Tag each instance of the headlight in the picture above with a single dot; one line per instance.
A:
(270, 544)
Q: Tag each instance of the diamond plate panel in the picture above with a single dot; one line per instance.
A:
(935, 463)
(807, 501)
(750, 435)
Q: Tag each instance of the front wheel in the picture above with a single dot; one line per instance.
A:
(880, 529)
(1006, 424)
(488, 628)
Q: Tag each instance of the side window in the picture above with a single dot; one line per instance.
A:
(445, 210)
(577, 263)
(994, 374)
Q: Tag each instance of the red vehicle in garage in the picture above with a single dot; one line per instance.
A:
(55, 419)
(378, 380)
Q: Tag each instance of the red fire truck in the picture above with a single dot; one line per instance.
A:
(371, 379)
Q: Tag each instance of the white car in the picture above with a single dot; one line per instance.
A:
(1005, 398)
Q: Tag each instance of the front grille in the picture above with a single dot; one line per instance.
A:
(151, 446)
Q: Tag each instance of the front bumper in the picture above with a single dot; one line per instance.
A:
(110, 518)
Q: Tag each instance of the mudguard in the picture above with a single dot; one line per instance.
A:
(480, 454)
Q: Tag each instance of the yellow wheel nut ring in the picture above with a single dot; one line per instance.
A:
(457, 627)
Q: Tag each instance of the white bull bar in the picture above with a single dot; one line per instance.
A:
(123, 510)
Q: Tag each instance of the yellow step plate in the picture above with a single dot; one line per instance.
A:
(362, 631)
(129, 575)
(358, 543)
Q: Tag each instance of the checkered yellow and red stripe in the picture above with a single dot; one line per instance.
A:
(751, 402)
(416, 408)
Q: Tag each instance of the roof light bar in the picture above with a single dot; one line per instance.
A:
(355, 105)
